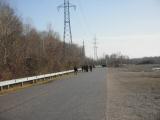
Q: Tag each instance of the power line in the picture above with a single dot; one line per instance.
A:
(84, 17)
(88, 28)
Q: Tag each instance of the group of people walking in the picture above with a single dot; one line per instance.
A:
(87, 68)
(84, 68)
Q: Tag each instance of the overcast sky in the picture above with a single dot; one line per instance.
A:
(131, 27)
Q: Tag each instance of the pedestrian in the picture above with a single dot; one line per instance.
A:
(90, 67)
(86, 68)
(82, 67)
(75, 70)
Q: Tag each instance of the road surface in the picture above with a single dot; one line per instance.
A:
(81, 97)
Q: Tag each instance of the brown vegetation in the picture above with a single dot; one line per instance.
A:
(133, 93)
(24, 51)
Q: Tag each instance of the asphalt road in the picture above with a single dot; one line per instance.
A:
(81, 97)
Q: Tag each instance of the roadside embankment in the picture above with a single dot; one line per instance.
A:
(133, 94)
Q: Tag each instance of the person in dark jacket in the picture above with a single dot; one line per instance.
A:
(75, 70)
(82, 67)
(86, 68)
(90, 67)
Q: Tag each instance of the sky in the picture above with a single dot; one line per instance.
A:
(131, 27)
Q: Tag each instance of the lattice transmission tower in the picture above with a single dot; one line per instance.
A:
(67, 35)
(95, 49)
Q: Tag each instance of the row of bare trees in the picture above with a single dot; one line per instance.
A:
(24, 51)
(114, 60)
(117, 60)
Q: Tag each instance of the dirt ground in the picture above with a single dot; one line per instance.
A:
(133, 93)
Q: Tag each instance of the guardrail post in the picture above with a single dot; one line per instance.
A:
(35, 81)
(44, 78)
(8, 86)
(22, 84)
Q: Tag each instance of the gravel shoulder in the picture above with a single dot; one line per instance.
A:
(133, 95)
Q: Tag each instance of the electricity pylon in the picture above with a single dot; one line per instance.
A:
(95, 49)
(67, 35)
(83, 49)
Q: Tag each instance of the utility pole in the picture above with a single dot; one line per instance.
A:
(83, 53)
(95, 49)
(67, 35)
(83, 49)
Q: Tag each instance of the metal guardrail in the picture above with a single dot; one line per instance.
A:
(34, 78)
(156, 69)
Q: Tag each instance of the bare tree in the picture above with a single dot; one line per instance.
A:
(10, 28)
(24, 51)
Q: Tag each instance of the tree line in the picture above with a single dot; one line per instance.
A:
(113, 60)
(25, 51)
(145, 60)
(118, 60)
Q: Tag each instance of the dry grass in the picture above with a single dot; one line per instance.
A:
(133, 93)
